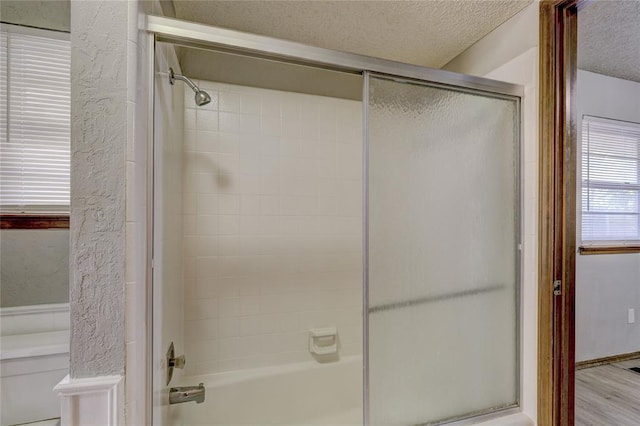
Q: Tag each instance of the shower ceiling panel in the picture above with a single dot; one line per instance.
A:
(428, 33)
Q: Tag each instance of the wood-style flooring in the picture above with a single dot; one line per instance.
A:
(608, 395)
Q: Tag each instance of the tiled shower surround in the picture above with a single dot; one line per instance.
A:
(272, 222)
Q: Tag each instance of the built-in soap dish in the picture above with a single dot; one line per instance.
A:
(323, 341)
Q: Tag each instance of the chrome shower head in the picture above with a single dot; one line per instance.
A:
(201, 98)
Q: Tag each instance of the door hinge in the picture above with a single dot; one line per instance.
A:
(557, 288)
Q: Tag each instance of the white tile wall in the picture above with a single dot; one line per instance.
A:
(272, 226)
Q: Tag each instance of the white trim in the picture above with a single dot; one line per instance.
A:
(34, 309)
(519, 419)
(91, 401)
(609, 243)
(33, 31)
(611, 121)
(70, 387)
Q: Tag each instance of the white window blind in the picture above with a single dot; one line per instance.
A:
(35, 122)
(610, 181)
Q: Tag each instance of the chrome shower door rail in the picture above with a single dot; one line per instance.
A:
(198, 35)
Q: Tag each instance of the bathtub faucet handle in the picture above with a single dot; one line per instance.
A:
(173, 361)
(177, 362)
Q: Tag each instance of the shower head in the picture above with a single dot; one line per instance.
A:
(201, 98)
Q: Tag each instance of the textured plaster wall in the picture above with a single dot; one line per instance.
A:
(50, 14)
(98, 147)
(34, 267)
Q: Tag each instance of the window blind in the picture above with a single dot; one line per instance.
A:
(35, 123)
(610, 181)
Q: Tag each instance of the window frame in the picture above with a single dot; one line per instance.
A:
(34, 220)
(591, 247)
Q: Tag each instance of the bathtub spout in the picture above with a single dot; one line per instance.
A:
(186, 394)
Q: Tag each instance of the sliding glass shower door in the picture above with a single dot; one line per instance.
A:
(443, 259)
(258, 222)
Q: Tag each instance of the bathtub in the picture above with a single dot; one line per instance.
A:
(34, 357)
(31, 365)
(306, 393)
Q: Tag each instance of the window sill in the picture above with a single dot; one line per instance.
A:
(31, 221)
(587, 250)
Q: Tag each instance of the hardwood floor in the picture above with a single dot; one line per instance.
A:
(608, 395)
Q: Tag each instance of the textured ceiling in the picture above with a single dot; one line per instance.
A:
(427, 32)
(609, 38)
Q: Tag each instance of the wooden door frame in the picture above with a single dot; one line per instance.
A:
(557, 211)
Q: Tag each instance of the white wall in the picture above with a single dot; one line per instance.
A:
(34, 266)
(98, 148)
(49, 14)
(606, 285)
(510, 53)
(108, 213)
(272, 222)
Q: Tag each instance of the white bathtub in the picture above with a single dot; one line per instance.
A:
(30, 366)
(34, 357)
(296, 394)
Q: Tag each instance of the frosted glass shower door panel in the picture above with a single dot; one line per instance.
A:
(443, 230)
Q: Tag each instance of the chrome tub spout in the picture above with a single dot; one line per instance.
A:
(179, 395)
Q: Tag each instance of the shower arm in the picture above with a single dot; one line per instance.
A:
(173, 77)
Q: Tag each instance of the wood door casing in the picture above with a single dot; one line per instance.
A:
(557, 212)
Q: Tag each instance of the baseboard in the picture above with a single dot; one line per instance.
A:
(95, 401)
(607, 360)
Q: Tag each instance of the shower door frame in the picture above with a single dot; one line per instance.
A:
(191, 34)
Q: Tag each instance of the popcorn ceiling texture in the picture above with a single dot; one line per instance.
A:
(429, 33)
(609, 39)
(98, 146)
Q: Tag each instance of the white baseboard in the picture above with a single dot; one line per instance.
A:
(93, 401)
